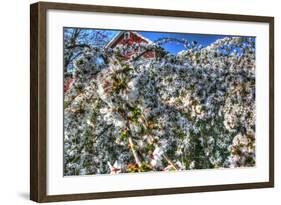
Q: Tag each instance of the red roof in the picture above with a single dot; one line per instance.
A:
(134, 37)
(131, 39)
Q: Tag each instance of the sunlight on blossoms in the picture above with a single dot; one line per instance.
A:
(132, 104)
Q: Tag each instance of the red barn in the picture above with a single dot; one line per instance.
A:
(129, 39)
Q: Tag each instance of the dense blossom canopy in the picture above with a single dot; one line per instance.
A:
(193, 110)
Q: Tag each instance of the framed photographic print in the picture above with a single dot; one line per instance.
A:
(134, 102)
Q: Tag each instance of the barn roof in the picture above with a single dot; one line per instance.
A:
(119, 34)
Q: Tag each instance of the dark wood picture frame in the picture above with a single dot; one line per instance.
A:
(38, 102)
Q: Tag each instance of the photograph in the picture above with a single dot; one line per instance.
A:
(151, 101)
(132, 101)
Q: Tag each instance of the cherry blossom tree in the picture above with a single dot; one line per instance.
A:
(193, 110)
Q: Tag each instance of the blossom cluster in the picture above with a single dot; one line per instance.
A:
(193, 110)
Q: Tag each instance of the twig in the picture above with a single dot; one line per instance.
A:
(170, 162)
(134, 151)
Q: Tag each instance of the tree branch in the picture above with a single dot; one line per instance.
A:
(78, 45)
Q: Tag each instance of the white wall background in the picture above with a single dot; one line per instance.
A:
(14, 101)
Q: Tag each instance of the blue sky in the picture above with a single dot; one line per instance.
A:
(87, 35)
(172, 47)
